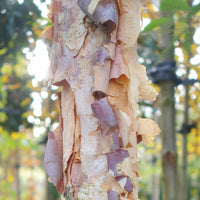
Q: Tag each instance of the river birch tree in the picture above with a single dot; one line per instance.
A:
(93, 152)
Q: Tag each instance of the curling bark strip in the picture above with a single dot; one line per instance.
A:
(94, 61)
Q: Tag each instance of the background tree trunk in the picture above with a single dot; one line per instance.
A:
(17, 174)
(155, 187)
(184, 180)
(51, 193)
(166, 99)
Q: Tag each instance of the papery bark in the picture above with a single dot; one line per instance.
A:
(94, 60)
(53, 159)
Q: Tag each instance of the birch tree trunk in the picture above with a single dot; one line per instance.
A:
(93, 153)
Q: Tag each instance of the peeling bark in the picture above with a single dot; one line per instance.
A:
(94, 60)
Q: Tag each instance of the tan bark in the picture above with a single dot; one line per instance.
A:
(94, 60)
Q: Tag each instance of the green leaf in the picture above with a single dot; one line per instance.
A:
(3, 51)
(174, 5)
(193, 10)
(156, 23)
(3, 117)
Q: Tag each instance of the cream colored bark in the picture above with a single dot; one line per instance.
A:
(94, 60)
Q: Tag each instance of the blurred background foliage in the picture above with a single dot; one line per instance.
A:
(19, 28)
(21, 153)
(185, 20)
(28, 108)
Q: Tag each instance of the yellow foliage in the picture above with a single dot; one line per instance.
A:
(145, 15)
(179, 27)
(193, 48)
(198, 150)
(191, 148)
(198, 124)
(11, 44)
(3, 51)
(150, 7)
(1, 129)
(26, 101)
(29, 84)
(5, 78)
(158, 147)
(15, 135)
(193, 131)
(6, 69)
(26, 114)
(178, 143)
(157, 88)
(181, 99)
(198, 139)
(186, 57)
(14, 87)
(154, 149)
(10, 178)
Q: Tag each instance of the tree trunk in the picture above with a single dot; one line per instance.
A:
(184, 185)
(198, 189)
(17, 175)
(166, 99)
(155, 187)
(184, 188)
(51, 194)
(169, 155)
(94, 59)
